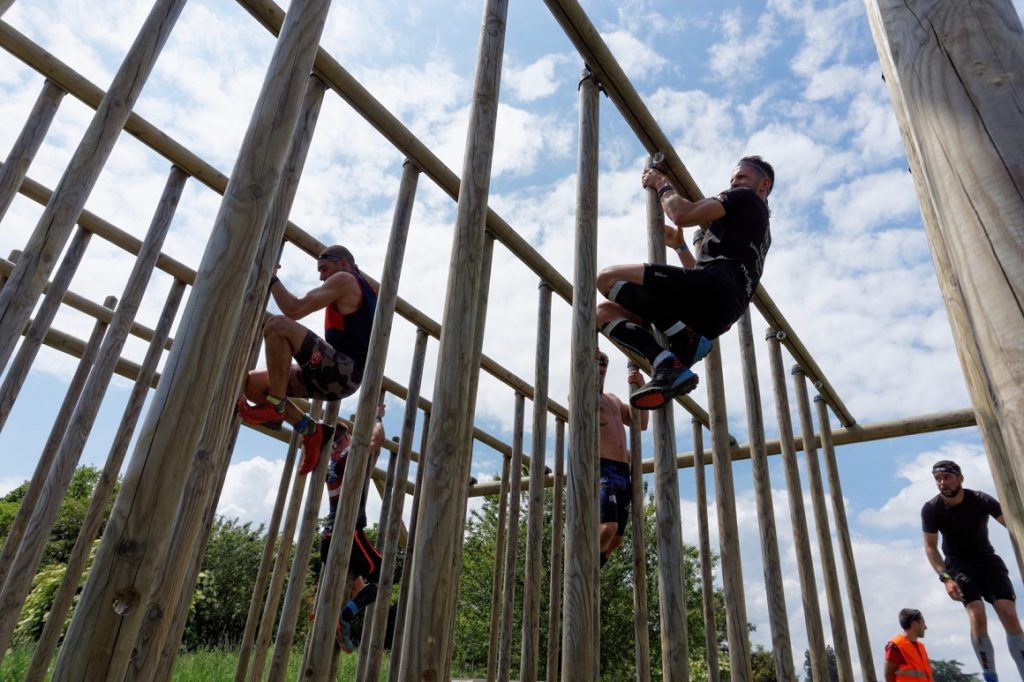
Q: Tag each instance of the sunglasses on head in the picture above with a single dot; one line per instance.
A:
(330, 257)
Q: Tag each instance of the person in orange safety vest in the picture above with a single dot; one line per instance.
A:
(905, 657)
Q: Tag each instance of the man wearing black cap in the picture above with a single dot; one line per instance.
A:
(971, 570)
(328, 368)
(699, 301)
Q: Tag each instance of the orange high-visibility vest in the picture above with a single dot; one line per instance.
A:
(915, 666)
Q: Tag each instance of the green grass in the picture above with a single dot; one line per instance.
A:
(209, 665)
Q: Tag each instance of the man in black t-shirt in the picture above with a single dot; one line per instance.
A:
(699, 301)
(971, 570)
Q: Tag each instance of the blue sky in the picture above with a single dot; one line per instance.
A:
(795, 81)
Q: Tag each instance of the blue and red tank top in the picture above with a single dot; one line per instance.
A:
(350, 334)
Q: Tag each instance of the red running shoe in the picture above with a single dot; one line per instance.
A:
(263, 414)
(311, 446)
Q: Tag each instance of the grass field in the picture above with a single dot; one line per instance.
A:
(210, 665)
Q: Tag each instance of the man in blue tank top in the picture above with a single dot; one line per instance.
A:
(328, 369)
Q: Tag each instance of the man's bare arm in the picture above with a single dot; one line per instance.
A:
(674, 238)
(890, 671)
(931, 550)
(340, 287)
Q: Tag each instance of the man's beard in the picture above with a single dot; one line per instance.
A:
(952, 493)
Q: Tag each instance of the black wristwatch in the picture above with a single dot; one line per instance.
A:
(943, 577)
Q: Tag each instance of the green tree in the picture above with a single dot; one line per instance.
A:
(762, 663)
(473, 613)
(951, 671)
(833, 667)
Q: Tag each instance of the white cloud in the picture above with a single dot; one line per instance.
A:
(636, 58)
(869, 202)
(739, 55)
(535, 80)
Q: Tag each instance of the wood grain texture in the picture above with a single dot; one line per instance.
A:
(51, 233)
(430, 615)
(641, 616)
(951, 73)
(494, 642)
(54, 626)
(707, 577)
(797, 515)
(557, 533)
(13, 595)
(830, 576)
(778, 618)
(138, 532)
(580, 627)
(15, 167)
(508, 589)
(860, 626)
(530, 643)
(675, 654)
(370, 656)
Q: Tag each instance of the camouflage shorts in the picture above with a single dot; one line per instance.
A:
(322, 372)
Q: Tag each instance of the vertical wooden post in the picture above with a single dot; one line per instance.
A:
(375, 646)
(798, 518)
(707, 578)
(300, 563)
(508, 591)
(26, 355)
(138, 533)
(641, 615)
(25, 147)
(497, 582)
(54, 625)
(828, 560)
(19, 581)
(330, 598)
(398, 641)
(10, 601)
(778, 619)
(965, 155)
(427, 646)
(535, 525)
(580, 629)
(14, 380)
(557, 532)
(675, 655)
(51, 233)
(860, 626)
(278, 574)
(728, 532)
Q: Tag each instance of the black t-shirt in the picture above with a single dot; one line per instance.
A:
(738, 241)
(964, 527)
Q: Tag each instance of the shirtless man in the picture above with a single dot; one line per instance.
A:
(616, 484)
(328, 369)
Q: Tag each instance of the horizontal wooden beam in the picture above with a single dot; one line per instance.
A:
(929, 423)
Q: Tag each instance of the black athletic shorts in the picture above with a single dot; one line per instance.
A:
(364, 560)
(706, 300)
(983, 577)
(616, 493)
(322, 372)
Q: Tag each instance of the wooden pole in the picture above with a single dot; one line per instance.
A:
(15, 379)
(675, 655)
(398, 641)
(289, 617)
(29, 140)
(54, 227)
(798, 518)
(557, 531)
(497, 582)
(26, 355)
(145, 510)
(833, 595)
(375, 646)
(728, 531)
(965, 155)
(65, 460)
(54, 625)
(860, 626)
(278, 574)
(10, 600)
(427, 646)
(641, 615)
(508, 591)
(530, 653)
(707, 578)
(778, 618)
(330, 599)
(580, 629)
